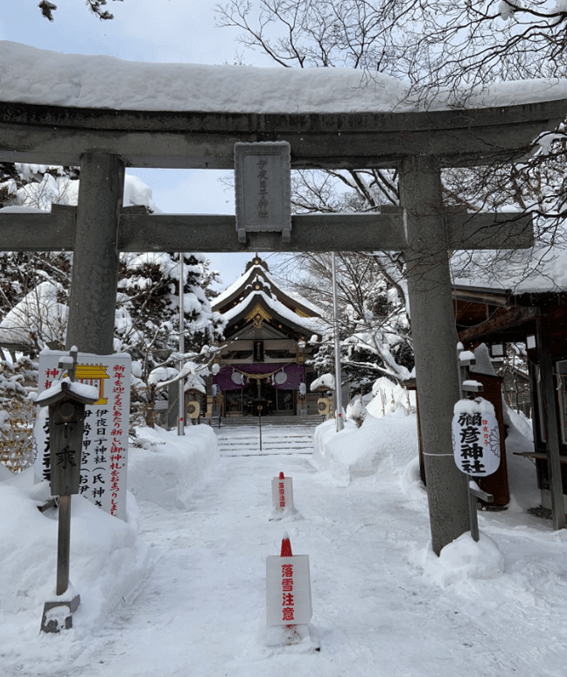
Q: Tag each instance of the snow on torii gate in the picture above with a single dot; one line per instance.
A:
(104, 141)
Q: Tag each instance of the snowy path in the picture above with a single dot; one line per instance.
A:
(200, 612)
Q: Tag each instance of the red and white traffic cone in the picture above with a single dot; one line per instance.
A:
(282, 497)
(286, 544)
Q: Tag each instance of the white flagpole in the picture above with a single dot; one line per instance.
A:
(181, 391)
(338, 378)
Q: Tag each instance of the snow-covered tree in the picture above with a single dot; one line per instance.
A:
(374, 326)
(148, 318)
(34, 286)
(432, 45)
(435, 47)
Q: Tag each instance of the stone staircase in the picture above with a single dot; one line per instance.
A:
(252, 421)
(280, 438)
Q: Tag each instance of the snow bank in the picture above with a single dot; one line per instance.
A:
(167, 467)
(107, 561)
(359, 452)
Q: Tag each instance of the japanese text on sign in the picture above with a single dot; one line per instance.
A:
(105, 436)
(288, 590)
(263, 186)
(282, 494)
(476, 437)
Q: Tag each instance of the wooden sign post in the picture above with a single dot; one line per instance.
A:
(66, 401)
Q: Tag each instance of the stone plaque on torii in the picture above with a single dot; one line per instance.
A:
(417, 144)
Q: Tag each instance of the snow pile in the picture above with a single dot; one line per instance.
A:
(36, 76)
(107, 562)
(464, 559)
(166, 467)
(82, 391)
(524, 492)
(359, 452)
(136, 192)
(376, 583)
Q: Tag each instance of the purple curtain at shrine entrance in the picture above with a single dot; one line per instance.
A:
(234, 377)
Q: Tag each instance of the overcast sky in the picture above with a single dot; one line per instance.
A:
(174, 31)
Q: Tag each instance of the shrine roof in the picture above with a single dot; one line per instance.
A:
(537, 270)
(300, 325)
(232, 293)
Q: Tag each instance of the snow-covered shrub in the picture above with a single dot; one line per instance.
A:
(17, 412)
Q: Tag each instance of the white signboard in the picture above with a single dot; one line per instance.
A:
(282, 493)
(288, 590)
(476, 437)
(104, 457)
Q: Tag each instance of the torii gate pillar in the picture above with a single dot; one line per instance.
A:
(92, 304)
(435, 344)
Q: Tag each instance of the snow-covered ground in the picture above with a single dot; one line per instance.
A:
(179, 590)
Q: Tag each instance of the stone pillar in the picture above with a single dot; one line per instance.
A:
(435, 344)
(95, 257)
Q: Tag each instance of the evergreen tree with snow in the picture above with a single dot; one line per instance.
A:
(34, 286)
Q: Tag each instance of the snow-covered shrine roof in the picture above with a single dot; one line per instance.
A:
(537, 270)
(301, 325)
(253, 274)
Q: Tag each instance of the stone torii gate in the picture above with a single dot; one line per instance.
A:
(104, 142)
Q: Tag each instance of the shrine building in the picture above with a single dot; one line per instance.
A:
(270, 337)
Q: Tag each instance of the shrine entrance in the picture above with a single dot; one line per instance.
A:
(417, 144)
(245, 401)
(265, 343)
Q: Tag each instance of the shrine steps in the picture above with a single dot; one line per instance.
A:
(276, 439)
